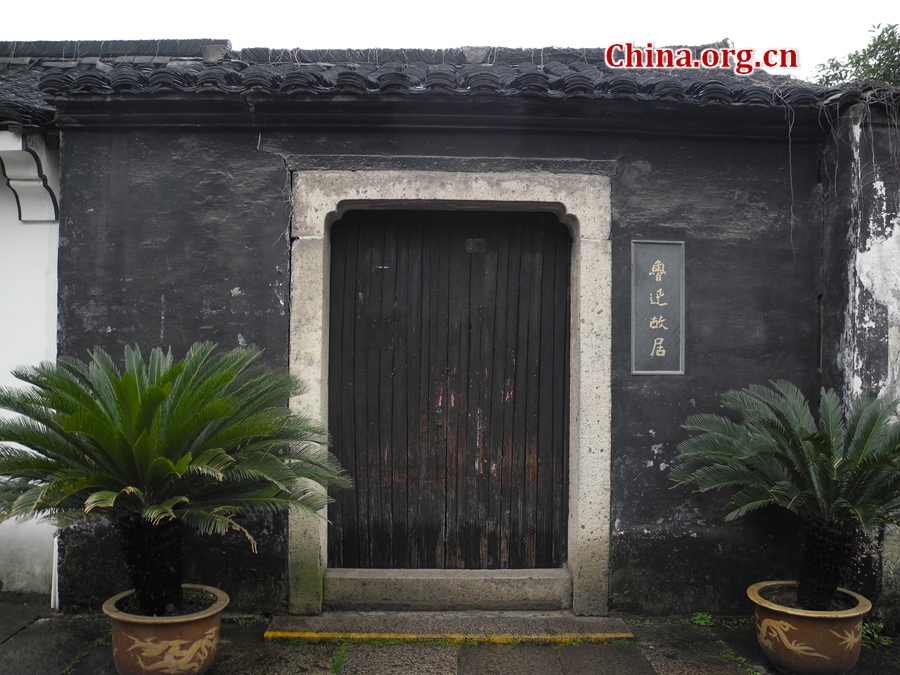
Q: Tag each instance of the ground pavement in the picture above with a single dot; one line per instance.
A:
(37, 641)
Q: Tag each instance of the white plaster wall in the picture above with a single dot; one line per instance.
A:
(878, 269)
(27, 336)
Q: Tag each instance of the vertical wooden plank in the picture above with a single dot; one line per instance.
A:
(494, 353)
(352, 366)
(378, 528)
(532, 393)
(385, 272)
(486, 227)
(433, 541)
(509, 392)
(465, 452)
(427, 417)
(474, 455)
(523, 506)
(457, 308)
(416, 393)
(530, 332)
(399, 378)
(366, 404)
(343, 309)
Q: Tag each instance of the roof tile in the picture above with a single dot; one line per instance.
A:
(28, 83)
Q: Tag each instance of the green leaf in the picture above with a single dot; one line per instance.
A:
(160, 469)
(878, 61)
(206, 439)
(101, 499)
(154, 513)
(843, 470)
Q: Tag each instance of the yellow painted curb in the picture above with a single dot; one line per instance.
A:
(452, 638)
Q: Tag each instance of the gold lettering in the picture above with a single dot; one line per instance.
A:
(658, 269)
(658, 347)
(658, 322)
(659, 294)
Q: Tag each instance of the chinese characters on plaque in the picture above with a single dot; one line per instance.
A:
(657, 307)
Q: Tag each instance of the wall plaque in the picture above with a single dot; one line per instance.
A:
(657, 307)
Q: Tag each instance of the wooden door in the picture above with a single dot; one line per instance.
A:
(448, 389)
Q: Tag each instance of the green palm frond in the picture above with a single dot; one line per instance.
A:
(214, 523)
(206, 440)
(839, 468)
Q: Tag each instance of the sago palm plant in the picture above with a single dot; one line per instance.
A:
(163, 445)
(841, 475)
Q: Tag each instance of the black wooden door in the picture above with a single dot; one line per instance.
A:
(448, 389)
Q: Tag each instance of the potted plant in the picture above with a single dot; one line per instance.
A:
(840, 475)
(157, 448)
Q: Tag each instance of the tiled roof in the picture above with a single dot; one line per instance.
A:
(172, 67)
(21, 102)
(551, 80)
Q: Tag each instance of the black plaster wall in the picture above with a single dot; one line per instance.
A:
(167, 238)
(835, 175)
(752, 257)
(160, 226)
(749, 214)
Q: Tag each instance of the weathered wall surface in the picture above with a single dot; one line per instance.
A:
(862, 226)
(168, 238)
(160, 228)
(748, 213)
(869, 355)
(745, 211)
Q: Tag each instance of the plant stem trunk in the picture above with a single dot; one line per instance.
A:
(828, 550)
(154, 560)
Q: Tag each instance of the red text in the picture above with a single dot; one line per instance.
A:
(741, 61)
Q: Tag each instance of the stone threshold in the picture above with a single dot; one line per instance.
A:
(447, 590)
(556, 627)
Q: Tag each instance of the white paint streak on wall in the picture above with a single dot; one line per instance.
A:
(28, 284)
(874, 269)
(849, 357)
(877, 271)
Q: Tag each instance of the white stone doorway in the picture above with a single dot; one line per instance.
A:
(582, 202)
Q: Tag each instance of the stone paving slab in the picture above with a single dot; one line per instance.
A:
(453, 627)
(400, 660)
(273, 659)
(585, 659)
(51, 645)
(605, 659)
(742, 640)
(684, 649)
(505, 659)
(17, 610)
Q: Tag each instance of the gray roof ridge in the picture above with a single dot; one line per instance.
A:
(72, 50)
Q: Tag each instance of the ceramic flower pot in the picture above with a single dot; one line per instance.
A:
(168, 645)
(805, 642)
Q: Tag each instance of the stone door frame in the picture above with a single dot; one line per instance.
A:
(581, 200)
